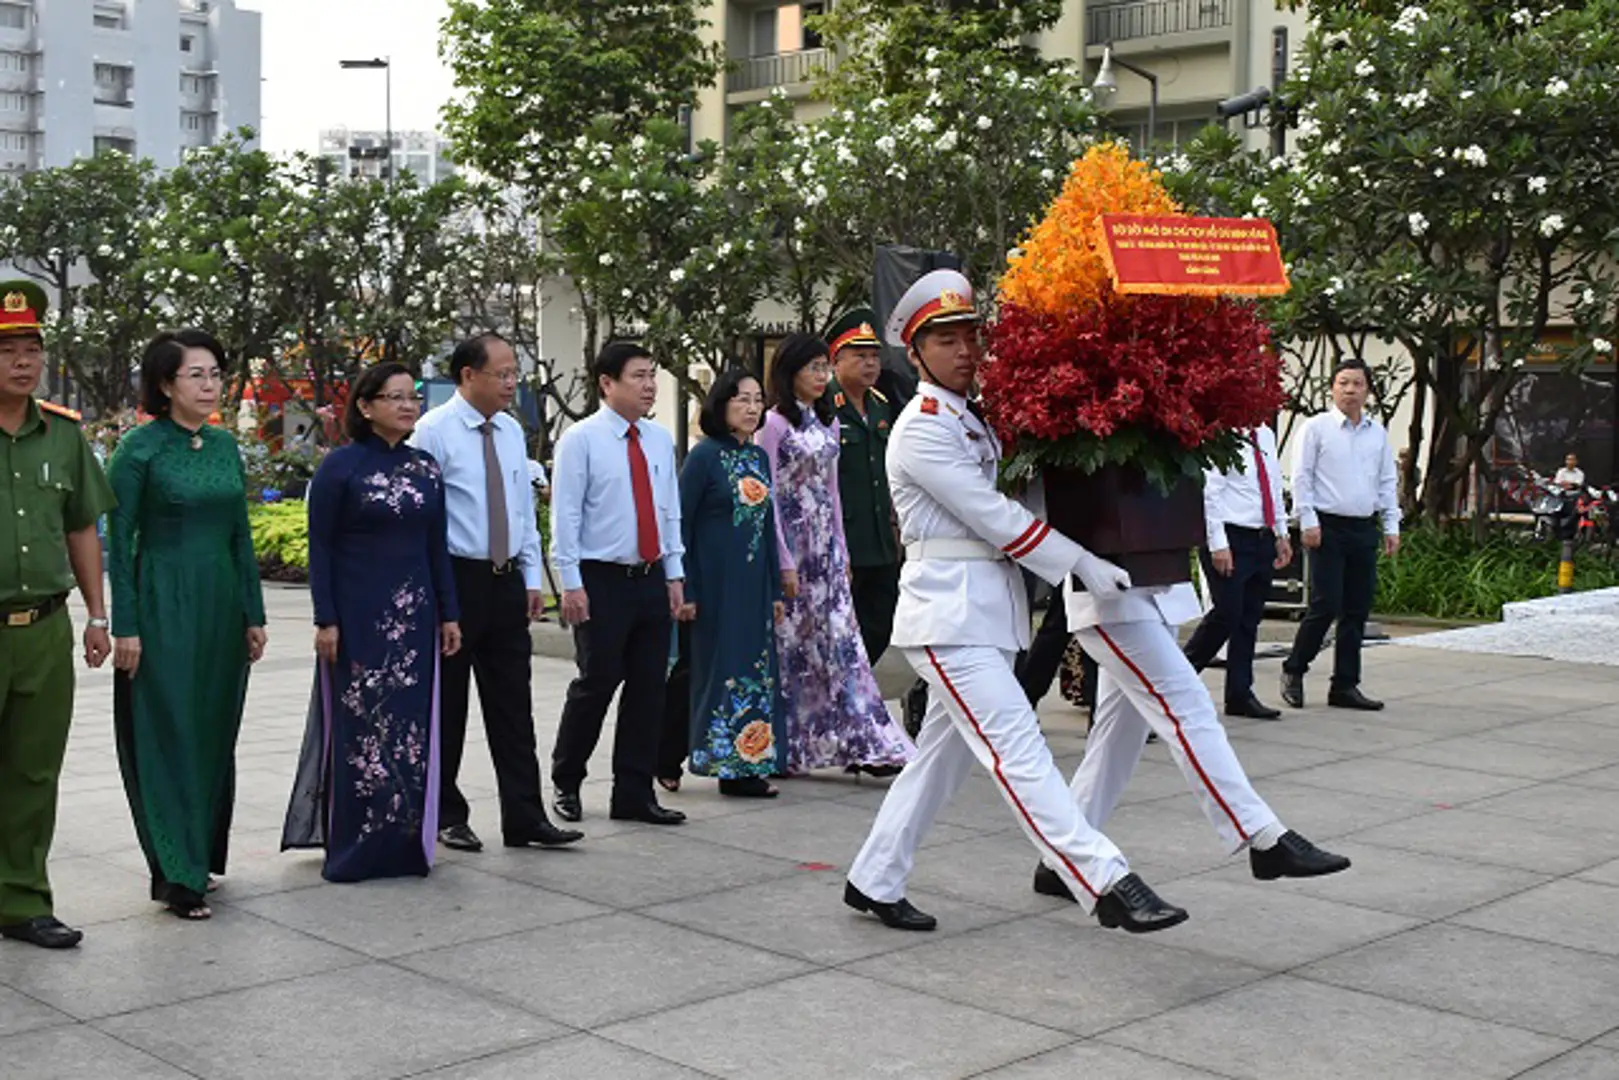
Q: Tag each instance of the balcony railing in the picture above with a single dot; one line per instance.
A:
(1128, 19)
(778, 69)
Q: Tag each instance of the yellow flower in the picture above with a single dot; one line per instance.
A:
(1060, 268)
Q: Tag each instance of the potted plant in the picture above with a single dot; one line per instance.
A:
(1120, 402)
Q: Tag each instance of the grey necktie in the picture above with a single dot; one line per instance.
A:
(495, 496)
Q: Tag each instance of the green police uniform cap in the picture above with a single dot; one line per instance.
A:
(855, 327)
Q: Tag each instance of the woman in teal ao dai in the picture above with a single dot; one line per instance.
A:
(732, 595)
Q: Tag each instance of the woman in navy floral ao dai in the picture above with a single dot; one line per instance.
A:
(385, 607)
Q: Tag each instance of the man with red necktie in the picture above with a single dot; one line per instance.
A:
(1247, 541)
(615, 522)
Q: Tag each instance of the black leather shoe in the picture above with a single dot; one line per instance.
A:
(1352, 699)
(1252, 708)
(567, 806)
(1293, 689)
(1132, 905)
(544, 834)
(648, 813)
(44, 931)
(460, 837)
(900, 915)
(1294, 856)
(1047, 882)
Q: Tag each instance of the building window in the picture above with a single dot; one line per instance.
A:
(15, 61)
(194, 121)
(16, 142)
(109, 22)
(113, 84)
(11, 101)
(13, 17)
(121, 146)
(186, 41)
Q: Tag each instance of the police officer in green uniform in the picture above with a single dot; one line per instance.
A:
(865, 419)
(52, 492)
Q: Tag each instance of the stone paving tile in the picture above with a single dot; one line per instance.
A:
(395, 916)
(75, 1053)
(1413, 884)
(1586, 1063)
(158, 959)
(1096, 1061)
(805, 1030)
(1543, 846)
(823, 831)
(369, 1022)
(1075, 977)
(1563, 803)
(1324, 813)
(1527, 984)
(1578, 914)
(1481, 753)
(805, 917)
(93, 889)
(1310, 1031)
(603, 970)
(1583, 732)
(1393, 779)
(1333, 729)
(567, 1058)
(1267, 925)
(20, 1013)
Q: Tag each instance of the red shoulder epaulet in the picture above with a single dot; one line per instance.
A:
(59, 410)
(930, 406)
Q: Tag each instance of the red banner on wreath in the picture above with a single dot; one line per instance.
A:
(1196, 256)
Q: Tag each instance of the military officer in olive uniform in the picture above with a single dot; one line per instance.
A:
(52, 492)
(868, 509)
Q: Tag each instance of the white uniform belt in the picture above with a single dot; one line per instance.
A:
(953, 550)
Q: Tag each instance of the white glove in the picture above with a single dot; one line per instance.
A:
(1101, 577)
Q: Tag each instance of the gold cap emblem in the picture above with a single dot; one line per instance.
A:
(15, 302)
(866, 330)
(951, 300)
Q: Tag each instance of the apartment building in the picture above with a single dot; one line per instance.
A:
(425, 154)
(152, 78)
(1200, 52)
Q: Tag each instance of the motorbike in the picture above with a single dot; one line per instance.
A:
(1555, 509)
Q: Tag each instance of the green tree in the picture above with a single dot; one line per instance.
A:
(534, 75)
(1454, 192)
(86, 232)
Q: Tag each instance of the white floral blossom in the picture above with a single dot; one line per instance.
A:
(1409, 18)
(1588, 297)
(985, 123)
(1365, 69)
(1473, 155)
(1601, 345)
(931, 55)
(677, 275)
(924, 124)
(885, 143)
(1417, 223)
(606, 258)
(1551, 225)
(1465, 94)
(1522, 17)
(948, 140)
(1537, 185)
(1557, 86)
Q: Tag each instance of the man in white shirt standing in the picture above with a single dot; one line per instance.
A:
(1247, 540)
(494, 543)
(1343, 487)
(1570, 477)
(615, 535)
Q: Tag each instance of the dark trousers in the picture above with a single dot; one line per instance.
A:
(673, 748)
(1037, 668)
(625, 643)
(1239, 605)
(1343, 582)
(496, 647)
(876, 595)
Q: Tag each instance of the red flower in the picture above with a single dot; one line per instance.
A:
(1187, 367)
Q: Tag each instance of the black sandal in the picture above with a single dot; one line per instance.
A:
(878, 772)
(671, 784)
(190, 912)
(748, 787)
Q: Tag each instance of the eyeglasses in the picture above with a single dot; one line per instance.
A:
(506, 378)
(198, 375)
(820, 367)
(400, 399)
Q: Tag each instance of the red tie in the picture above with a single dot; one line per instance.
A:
(646, 514)
(1264, 482)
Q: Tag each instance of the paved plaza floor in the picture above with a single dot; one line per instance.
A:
(1474, 938)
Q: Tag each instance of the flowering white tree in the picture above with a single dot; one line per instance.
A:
(1454, 190)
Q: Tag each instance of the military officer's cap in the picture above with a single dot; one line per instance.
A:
(854, 327)
(22, 308)
(938, 298)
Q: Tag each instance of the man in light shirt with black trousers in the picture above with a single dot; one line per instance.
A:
(1343, 486)
(1247, 540)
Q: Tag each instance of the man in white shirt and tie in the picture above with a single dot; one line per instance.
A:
(494, 543)
(615, 541)
(1343, 488)
(1247, 540)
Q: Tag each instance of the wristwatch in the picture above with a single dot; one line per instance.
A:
(93, 623)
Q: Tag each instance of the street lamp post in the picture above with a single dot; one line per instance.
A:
(1106, 84)
(385, 65)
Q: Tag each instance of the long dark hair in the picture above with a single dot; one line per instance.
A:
(725, 388)
(368, 388)
(795, 353)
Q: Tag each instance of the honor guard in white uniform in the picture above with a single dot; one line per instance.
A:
(962, 618)
(1148, 685)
